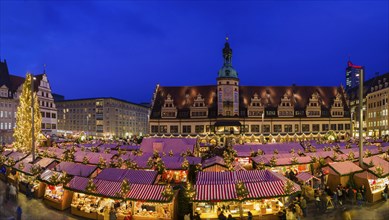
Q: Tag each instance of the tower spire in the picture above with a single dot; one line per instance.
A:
(44, 68)
(227, 52)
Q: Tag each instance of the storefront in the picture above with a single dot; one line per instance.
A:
(55, 195)
(27, 174)
(374, 178)
(215, 193)
(340, 173)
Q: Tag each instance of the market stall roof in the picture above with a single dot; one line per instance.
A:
(176, 145)
(305, 176)
(45, 176)
(213, 192)
(129, 147)
(194, 160)
(56, 152)
(110, 146)
(89, 145)
(377, 161)
(238, 166)
(133, 176)
(104, 188)
(209, 178)
(345, 168)
(281, 159)
(214, 160)
(321, 153)
(254, 176)
(75, 169)
(172, 163)
(6, 152)
(17, 156)
(93, 157)
(151, 193)
(268, 148)
(42, 162)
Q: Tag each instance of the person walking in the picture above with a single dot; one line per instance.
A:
(12, 191)
(303, 204)
(385, 194)
(359, 198)
(249, 216)
(19, 213)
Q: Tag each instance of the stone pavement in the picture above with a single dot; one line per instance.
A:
(32, 209)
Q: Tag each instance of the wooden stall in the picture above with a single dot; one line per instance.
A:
(340, 172)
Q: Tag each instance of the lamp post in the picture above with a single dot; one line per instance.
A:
(32, 118)
(361, 117)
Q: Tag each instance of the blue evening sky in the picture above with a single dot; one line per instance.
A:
(123, 49)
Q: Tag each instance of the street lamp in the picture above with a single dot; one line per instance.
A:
(32, 118)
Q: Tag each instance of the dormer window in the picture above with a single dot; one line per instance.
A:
(314, 107)
(168, 109)
(337, 106)
(256, 107)
(199, 109)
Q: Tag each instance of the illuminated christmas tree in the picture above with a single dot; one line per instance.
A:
(22, 131)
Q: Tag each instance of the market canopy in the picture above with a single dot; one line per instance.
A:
(133, 176)
(304, 176)
(75, 169)
(344, 168)
(215, 192)
(104, 188)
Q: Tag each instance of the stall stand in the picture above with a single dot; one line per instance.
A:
(309, 181)
(283, 163)
(77, 169)
(374, 179)
(93, 204)
(175, 172)
(3, 168)
(216, 193)
(55, 195)
(340, 172)
(149, 203)
(28, 172)
(214, 164)
(132, 176)
(12, 159)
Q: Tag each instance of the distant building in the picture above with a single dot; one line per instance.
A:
(375, 106)
(230, 108)
(102, 117)
(353, 73)
(58, 97)
(10, 90)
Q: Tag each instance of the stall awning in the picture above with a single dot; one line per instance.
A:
(215, 192)
(227, 123)
(147, 193)
(304, 176)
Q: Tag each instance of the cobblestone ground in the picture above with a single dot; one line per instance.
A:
(34, 209)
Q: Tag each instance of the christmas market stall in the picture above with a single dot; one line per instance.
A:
(153, 202)
(94, 197)
(340, 173)
(374, 178)
(174, 146)
(12, 159)
(3, 167)
(176, 169)
(214, 164)
(132, 176)
(55, 195)
(28, 172)
(259, 191)
(283, 163)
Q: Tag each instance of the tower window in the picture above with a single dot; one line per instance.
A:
(228, 82)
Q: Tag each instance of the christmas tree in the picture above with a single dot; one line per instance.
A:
(22, 131)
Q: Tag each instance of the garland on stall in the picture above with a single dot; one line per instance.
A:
(367, 153)
(190, 192)
(351, 155)
(91, 186)
(288, 187)
(241, 190)
(273, 161)
(168, 192)
(85, 160)
(130, 164)
(35, 169)
(185, 164)
(21, 166)
(102, 163)
(124, 189)
(379, 170)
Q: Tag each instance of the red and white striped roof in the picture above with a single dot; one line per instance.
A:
(215, 192)
(103, 187)
(210, 178)
(147, 192)
(304, 176)
(265, 189)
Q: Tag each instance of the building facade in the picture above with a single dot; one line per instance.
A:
(10, 90)
(229, 108)
(375, 105)
(353, 74)
(102, 117)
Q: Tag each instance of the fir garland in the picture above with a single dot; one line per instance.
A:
(85, 160)
(21, 166)
(91, 186)
(379, 171)
(102, 163)
(351, 156)
(275, 151)
(130, 164)
(241, 190)
(273, 161)
(190, 192)
(294, 160)
(185, 164)
(2, 159)
(288, 187)
(170, 153)
(124, 189)
(35, 169)
(168, 192)
(367, 153)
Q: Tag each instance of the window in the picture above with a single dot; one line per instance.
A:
(163, 128)
(198, 114)
(333, 127)
(53, 126)
(347, 126)
(173, 129)
(288, 128)
(340, 127)
(316, 127)
(48, 115)
(186, 129)
(266, 128)
(199, 129)
(324, 127)
(277, 128)
(53, 115)
(305, 127)
(296, 128)
(254, 128)
(154, 129)
(169, 114)
(43, 126)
